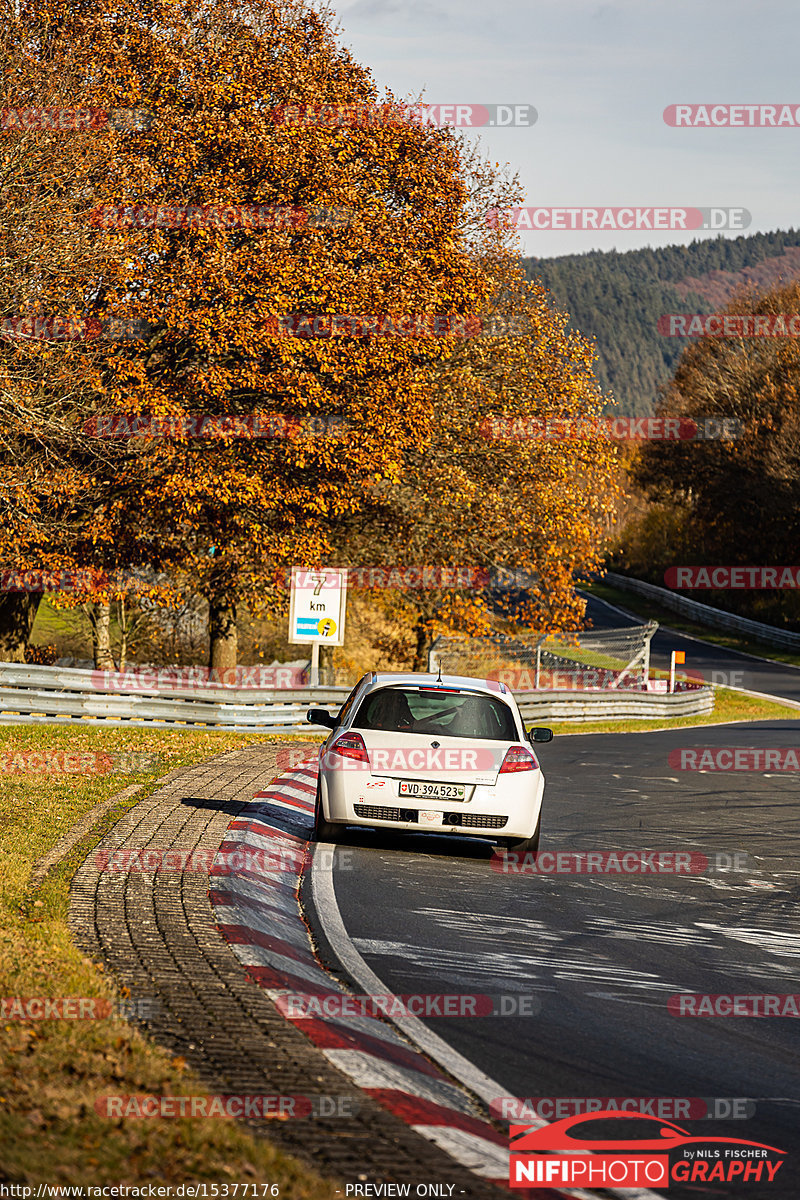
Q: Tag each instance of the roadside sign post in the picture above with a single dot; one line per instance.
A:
(317, 610)
(677, 656)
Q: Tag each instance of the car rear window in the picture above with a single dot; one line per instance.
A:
(440, 714)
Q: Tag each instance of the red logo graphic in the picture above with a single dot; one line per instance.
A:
(590, 1151)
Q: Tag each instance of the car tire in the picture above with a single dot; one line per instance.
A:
(525, 845)
(323, 831)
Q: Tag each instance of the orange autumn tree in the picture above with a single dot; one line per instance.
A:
(50, 469)
(489, 491)
(733, 497)
(226, 510)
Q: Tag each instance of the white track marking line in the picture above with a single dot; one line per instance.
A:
(327, 909)
(323, 895)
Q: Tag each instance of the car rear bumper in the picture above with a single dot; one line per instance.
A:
(510, 808)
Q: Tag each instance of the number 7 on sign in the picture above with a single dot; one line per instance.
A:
(319, 580)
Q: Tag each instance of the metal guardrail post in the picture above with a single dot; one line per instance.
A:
(538, 647)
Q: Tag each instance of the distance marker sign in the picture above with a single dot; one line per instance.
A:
(317, 605)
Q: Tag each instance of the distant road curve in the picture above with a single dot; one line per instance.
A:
(731, 668)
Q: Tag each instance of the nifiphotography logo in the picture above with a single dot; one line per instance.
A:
(625, 1150)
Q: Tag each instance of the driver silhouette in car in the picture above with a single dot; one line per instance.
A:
(390, 711)
(471, 720)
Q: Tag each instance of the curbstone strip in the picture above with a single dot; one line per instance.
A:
(379, 1059)
(156, 934)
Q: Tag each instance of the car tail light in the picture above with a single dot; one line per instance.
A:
(351, 745)
(518, 759)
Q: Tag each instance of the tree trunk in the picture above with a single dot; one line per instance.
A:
(422, 630)
(222, 635)
(122, 621)
(100, 619)
(17, 614)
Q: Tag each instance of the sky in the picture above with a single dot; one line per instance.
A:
(600, 76)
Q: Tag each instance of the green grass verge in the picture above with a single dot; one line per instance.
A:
(68, 629)
(51, 1071)
(728, 706)
(652, 611)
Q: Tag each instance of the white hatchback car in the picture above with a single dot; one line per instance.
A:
(422, 752)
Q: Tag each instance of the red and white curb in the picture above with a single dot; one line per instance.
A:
(258, 913)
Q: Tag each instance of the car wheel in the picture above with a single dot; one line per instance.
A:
(323, 831)
(525, 844)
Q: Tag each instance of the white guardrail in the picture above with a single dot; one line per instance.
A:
(704, 614)
(64, 695)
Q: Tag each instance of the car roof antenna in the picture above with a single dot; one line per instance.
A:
(440, 680)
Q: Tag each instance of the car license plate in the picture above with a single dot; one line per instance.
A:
(429, 816)
(422, 790)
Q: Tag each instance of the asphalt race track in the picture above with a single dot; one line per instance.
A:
(729, 668)
(580, 967)
(598, 956)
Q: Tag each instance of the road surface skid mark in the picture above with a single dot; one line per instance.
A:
(258, 913)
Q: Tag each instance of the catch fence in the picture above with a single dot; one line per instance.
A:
(608, 659)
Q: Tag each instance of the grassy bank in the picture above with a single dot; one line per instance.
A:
(51, 1071)
(728, 706)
